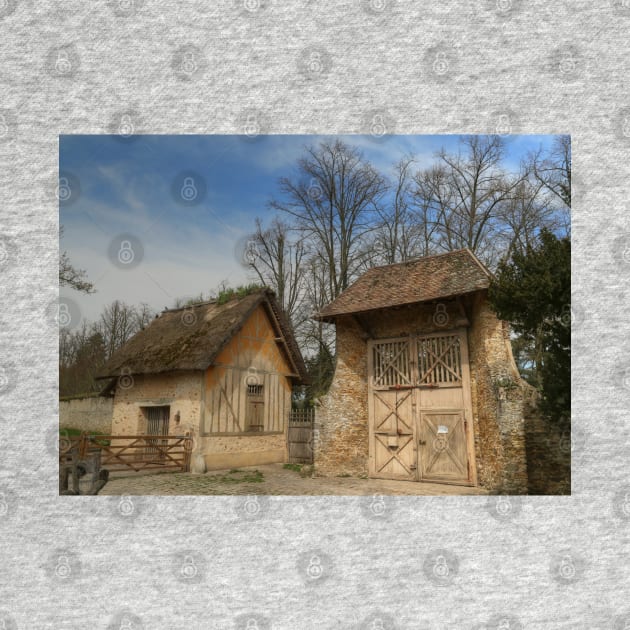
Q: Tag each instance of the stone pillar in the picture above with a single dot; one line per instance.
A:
(341, 444)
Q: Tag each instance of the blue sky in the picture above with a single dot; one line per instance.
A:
(129, 186)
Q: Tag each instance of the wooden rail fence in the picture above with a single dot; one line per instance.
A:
(134, 452)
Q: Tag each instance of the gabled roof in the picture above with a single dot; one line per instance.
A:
(190, 338)
(421, 280)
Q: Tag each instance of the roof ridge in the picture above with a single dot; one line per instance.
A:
(215, 301)
(419, 258)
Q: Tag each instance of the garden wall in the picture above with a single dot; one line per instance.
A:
(89, 413)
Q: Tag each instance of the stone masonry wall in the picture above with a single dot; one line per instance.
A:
(497, 391)
(341, 438)
(91, 413)
(498, 407)
(180, 390)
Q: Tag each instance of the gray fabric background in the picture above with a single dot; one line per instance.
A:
(325, 67)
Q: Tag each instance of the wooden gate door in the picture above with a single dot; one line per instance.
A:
(419, 407)
(392, 434)
(444, 408)
(157, 424)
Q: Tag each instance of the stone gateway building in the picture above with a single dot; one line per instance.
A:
(425, 387)
(223, 371)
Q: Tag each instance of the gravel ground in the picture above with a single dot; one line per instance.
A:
(271, 479)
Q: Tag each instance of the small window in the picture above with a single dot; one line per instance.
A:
(255, 390)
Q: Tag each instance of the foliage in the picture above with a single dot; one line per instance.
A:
(241, 291)
(532, 290)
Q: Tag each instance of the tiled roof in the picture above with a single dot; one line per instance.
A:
(190, 338)
(421, 280)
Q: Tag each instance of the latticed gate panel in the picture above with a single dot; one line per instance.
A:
(391, 363)
(439, 360)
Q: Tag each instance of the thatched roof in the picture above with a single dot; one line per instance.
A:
(421, 280)
(190, 338)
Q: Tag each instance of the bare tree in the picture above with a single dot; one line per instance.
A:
(399, 235)
(332, 198)
(464, 192)
(70, 276)
(277, 260)
(552, 169)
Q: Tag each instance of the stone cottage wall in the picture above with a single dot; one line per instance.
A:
(180, 390)
(88, 413)
(498, 403)
(341, 445)
(341, 430)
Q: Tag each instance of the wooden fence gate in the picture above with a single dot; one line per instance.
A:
(420, 410)
(300, 436)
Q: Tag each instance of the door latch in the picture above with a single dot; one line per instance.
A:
(422, 442)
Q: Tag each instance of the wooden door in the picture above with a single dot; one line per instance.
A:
(419, 408)
(157, 424)
(444, 408)
(390, 402)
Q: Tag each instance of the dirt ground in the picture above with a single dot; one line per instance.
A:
(271, 479)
